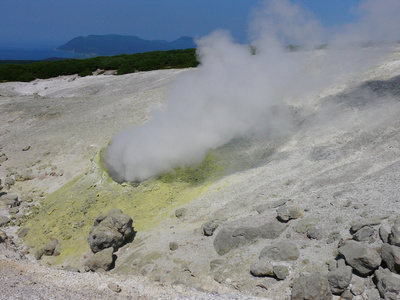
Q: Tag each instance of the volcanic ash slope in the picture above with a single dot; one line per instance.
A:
(339, 164)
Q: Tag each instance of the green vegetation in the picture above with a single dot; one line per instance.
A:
(122, 63)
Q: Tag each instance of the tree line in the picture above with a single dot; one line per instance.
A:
(123, 64)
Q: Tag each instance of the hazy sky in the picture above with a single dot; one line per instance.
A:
(54, 22)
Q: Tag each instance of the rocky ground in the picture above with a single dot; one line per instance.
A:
(307, 213)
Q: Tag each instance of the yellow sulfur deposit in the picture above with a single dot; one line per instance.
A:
(68, 213)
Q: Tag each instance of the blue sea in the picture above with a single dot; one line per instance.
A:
(14, 53)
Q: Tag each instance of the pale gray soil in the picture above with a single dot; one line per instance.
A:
(340, 163)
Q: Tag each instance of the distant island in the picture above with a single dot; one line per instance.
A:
(114, 44)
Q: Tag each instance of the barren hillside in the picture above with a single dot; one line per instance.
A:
(337, 165)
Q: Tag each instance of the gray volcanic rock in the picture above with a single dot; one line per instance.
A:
(305, 224)
(365, 234)
(374, 295)
(50, 248)
(356, 226)
(112, 230)
(281, 272)
(384, 234)
(11, 200)
(23, 232)
(286, 213)
(391, 256)
(260, 209)
(3, 158)
(311, 287)
(362, 258)
(262, 268)
(228, 239)
(100, 261)
(24, 176)
(314, 233)
(8, 181)
(339, 279)
(180, 212)
(173, 246)
(4, 220)
(209, 227)
(394, 236)
(388, 284)
(280, 251)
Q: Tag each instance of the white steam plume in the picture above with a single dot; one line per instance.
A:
(234, 93)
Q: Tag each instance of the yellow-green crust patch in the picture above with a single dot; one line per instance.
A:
(68, 213)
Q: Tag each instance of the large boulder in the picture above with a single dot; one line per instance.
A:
(228, 239)
(311, 287)
(111, 230)
(362, 258)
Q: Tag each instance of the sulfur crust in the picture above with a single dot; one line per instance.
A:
(68, 213)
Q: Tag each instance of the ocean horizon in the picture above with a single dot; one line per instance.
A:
(37, 53)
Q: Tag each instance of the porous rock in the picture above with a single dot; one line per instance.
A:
(260, 209)
(180, 212)
(216, 264)
(281, 272)
(388, 284)
(3, 157)
(100, 261)
(311, 287)
(365, 234)
(23, 232)
(209, 227)
(71, 269)
(228, 239)
(280, 251)
(24, 176)
(9, 181)
(112, 230)
(394, 236)
(357, 286)
(356, 226)
(391, 256)
(13, 210)
(333, 236)
(305, 224)
(374, 294)
(346, 295)
(114, 287)
(173, 246)
(11, 200)
(39, 254)
(3, 236)
(286, 213)
(384, 234)
(314, 233)
(339, 279)
(4, 220)
(50, 248)
(362, 258)
(262, 268)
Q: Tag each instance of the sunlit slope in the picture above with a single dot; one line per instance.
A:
(68, 213)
